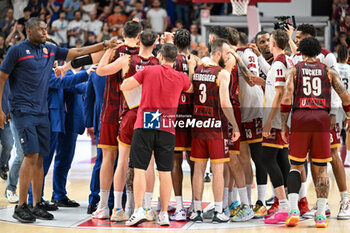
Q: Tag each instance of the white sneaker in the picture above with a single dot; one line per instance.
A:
(344, 211)
(312, 212)
(150, 215)
(137, 218)
(119, 215)
(102, 213)
(11, 196)
(220, 217)
(190, 210)
(163, 219)
(179, 215)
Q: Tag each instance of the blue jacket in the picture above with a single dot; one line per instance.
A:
(73, 98)
(94, 100)
(55, 98)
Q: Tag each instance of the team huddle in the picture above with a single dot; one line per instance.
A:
(243, 101)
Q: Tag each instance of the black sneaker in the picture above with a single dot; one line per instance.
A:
(46, 205)
(39, 212)
(220, 217)
(196, 216)
(91, 209)
(23, 214)
(3, 173)
(66, 203)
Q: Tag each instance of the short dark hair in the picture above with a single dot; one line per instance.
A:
(259, 34)
(233, 35)
(307, 29)
(132, 29)
(169, 52)
(32, 22)
(281, 37)
(219, 31)
(182, 38)
(343, 53)
(310, 47)
(26, 9)
(243, 38)
(148, 37)
(217, 45)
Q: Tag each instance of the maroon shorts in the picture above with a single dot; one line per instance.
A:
(310, 133)
(216, 150)
(251, 131)
(108, 135)
(127, 127)
(274, 140)
(335, 136)
(235, 146)
(183, 140)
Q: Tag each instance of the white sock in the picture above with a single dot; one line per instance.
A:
(118, 199)
(302, 191)
(179, 203)
(284, 205)
(347, 158)
(129, 200)
(148, 200)
(321, 206)
(230, 198)
(104, 195)
(197, 206)
(218, 206)
(225, 198)
(262, 192)
(243, 196)
(249, 193)
(234, 194)
(344, 196)
(293, 200)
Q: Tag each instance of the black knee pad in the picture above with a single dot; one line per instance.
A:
(294, 181)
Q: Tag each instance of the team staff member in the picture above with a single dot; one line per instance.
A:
(28, 66)
(161, 89)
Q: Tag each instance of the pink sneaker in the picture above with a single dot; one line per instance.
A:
(278, 217)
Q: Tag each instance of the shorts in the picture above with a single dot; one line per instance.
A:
(216, 150)
(251, 131)
(234, 147)
(310, 133)
(127, 127)
(335, 136)
(183, 140)
(108, 135)
(274, 140)
(33, 132)
(144, 141)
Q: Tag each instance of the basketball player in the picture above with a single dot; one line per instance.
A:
(273, 147)
(328, 58)
(212, 103)
(129, 64)
(310, 84)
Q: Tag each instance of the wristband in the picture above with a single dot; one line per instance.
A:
(346, 108)
(286, 108)
(81, 61)
(104, 44)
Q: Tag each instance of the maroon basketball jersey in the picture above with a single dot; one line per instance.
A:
(234, 86)
(312, 86)
(111, 97)
(136, 63)
(211, 124)
(186, 99)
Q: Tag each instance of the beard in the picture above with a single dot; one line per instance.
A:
(222, 62)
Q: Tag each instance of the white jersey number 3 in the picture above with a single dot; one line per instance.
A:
(203, 95)
(313, 86)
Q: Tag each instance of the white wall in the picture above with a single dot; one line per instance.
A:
(295, 7)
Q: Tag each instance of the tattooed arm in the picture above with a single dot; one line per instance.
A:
(247, 74)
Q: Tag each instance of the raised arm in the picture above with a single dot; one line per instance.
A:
(106, 68)
(226, 106)
(247, 74)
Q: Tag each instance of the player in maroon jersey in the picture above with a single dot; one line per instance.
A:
(212, 108)
(182, 41)
(308, 93)
(128, 64)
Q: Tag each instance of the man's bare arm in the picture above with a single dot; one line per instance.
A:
(339, 87)
(288, 93)
(129, 83)
(244, 69)
(106, 68)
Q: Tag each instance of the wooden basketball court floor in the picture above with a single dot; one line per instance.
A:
(76, 220)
